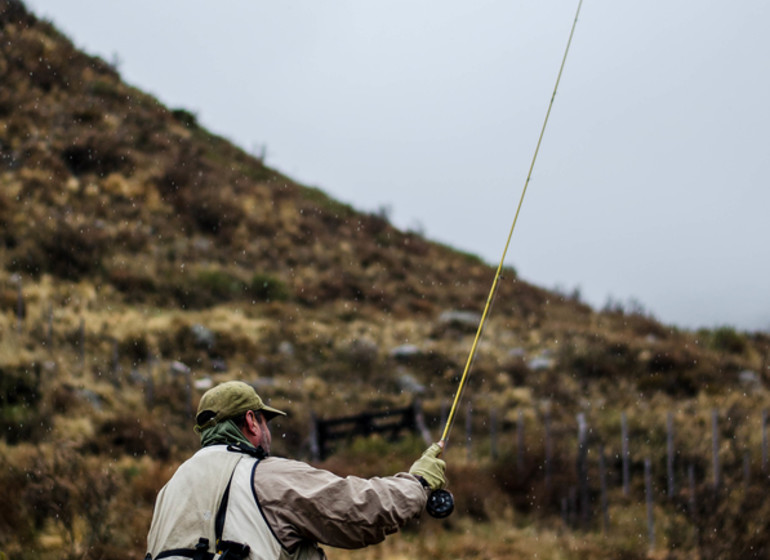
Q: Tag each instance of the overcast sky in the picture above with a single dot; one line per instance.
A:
(652, 179)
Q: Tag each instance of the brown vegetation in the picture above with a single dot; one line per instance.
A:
(140, 254)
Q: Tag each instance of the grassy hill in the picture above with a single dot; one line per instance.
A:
(143, 257)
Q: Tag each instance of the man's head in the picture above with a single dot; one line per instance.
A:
(236, 400)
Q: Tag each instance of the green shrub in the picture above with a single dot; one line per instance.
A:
(726, 339)
(201, 289)
(264, 287)
(220, 284)
(320, 200)
(106, 88)
(19, 402)
(600, 359)
(185, 117)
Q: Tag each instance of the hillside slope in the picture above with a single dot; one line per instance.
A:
(143, 257)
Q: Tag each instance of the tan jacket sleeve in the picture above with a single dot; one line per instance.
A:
(303, 503)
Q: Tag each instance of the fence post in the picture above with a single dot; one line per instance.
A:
(582, 468)
(493, 432)
(419, 420)
(520, 441)
(19, 308)
(692, 500)
(548, 449)
(670, 454)
(603, 485)
(715, 446)
(468, 430)
(626, 455)
(764, 440)
(315, 445)
(648, 494)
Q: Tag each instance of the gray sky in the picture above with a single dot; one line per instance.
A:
(651, 183)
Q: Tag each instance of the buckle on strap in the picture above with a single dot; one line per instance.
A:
(230, 550)
(256, 452)
(201, 549)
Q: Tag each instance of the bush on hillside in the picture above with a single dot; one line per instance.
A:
(186, 118)
(65, 249)
(600, 359)
(264, 287)
(132, 436)
(20, 396)
(100, 156)
(60, 488)
(204, 204)
(136, 284)
(727, 339)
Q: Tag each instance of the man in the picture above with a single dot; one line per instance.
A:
(232, 500)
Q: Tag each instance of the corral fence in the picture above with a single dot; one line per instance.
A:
(390, 423)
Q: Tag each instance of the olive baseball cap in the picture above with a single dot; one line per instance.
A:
(228, 400)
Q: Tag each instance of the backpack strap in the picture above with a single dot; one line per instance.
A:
(219, 522)
(231, 549)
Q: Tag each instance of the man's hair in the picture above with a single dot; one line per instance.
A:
(240, 420)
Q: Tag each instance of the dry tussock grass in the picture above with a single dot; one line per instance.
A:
(135, 223)
(500, 539)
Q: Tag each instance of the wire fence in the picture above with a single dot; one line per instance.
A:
(684, 461)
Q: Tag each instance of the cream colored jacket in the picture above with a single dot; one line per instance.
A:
(281, 508)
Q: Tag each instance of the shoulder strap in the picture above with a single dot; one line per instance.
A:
(219, 522)
(256, 452)
(230, 549)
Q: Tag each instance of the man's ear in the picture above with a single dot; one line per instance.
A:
(252, 423)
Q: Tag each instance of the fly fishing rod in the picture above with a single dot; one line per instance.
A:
(441, 502)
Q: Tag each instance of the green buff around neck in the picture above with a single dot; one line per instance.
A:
(223, 432)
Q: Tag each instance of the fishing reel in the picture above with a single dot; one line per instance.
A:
(440, 504)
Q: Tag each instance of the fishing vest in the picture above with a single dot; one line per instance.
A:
(209, 511)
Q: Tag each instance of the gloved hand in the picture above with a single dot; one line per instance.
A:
(431, 468)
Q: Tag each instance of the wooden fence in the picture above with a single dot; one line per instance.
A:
(390, 423)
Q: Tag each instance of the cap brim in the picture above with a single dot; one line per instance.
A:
(271, 412)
